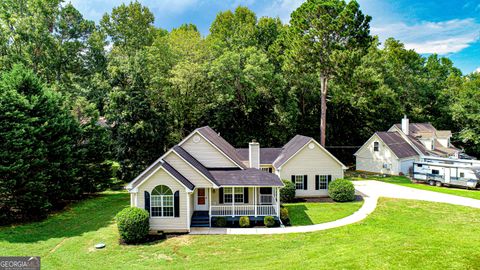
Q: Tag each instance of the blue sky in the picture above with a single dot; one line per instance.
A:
(447, 27)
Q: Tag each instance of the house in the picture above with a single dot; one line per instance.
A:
(394, 151)
(204, 177)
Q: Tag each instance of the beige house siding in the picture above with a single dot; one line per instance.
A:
(168, 224)
(187, 171)
(371, 161)
(311, 162)
(206, 153)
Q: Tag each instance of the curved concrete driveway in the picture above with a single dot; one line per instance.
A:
(371, 191)
(381, 189)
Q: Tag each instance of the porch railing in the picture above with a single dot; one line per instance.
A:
(244, 210)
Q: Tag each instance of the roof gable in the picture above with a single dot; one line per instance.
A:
(295, 145)
(290, 149)
(160, 164)
(218, 143)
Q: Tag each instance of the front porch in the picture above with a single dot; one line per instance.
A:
(233, 202)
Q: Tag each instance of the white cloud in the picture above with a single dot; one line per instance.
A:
(281, 8)
(477, 70)
(432, 37)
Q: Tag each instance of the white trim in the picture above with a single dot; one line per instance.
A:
(188, 215)
(135, 190)
(321, 147)
(212, 144)
(214, 185)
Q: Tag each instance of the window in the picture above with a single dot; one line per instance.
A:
(322, 183)
(228, 195)
(267, 170)
(419, 165)
(161, 202)
(462, 174)
(435, 172)
(375, 146)
(298, 181)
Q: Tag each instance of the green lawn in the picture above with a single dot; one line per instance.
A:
(315, 213)
(400, 234)
(405, 181)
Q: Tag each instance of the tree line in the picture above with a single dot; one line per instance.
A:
(86, 106)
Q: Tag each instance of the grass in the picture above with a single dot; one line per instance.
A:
(400, 234)
(315, 213)
(405, 181)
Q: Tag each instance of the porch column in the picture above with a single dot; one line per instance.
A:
(210, 207)
(255, 200)
(233, 201)
(278, 201)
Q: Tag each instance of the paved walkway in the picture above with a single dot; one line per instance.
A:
(371, 191)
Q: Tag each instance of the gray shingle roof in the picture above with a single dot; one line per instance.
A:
(397, 144)
(177, 175)
(295, 144)
(194, 162)
(221, 144)
(267, 155)
(247, 177)
(167, 168)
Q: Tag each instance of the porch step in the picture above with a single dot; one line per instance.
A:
(200, 219)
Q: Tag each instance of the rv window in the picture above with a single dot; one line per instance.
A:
(435, 172)
(462, 174)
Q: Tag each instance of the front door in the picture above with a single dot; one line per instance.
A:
(201, 199)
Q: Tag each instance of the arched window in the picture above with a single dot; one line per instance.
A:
(161, 203)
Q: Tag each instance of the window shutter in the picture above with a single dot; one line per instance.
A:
(220, 195)
(305, 182)
(176, 203)
(147, 201)
(329, 179)
(293, 179)
(317, 182)
(245, 195)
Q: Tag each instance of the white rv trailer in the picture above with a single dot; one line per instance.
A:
(464, 162)
(451, 174)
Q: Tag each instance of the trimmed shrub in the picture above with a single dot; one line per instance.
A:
(287, 193)
(221, 222)
(244, 222)
(133, 225)
(269, 221)
(341, 190)
(284, 216)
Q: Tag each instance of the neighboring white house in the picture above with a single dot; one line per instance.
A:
(204, 177)
(394, 151)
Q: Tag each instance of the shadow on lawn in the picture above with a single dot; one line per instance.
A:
(298, 215)
(82, 217)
